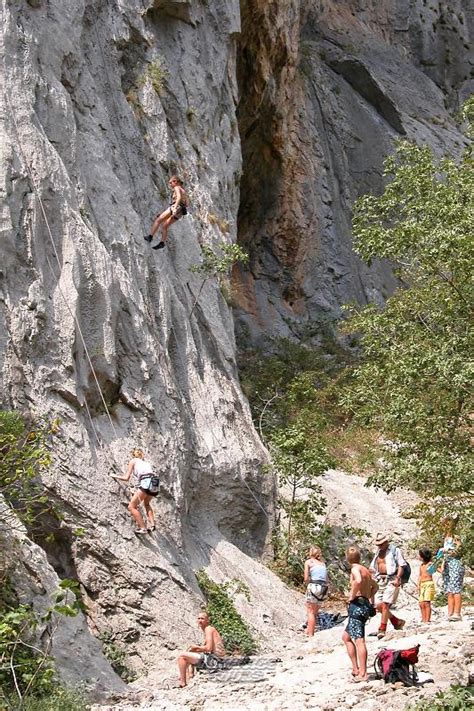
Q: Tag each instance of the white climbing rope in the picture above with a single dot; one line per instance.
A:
(61, 291)
(73, 315)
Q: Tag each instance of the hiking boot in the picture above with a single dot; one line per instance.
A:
(148, 238)
(160, 245)
(140, 531)
(381, 634)
(399, 624)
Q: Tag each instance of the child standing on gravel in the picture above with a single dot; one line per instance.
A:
(426, 586)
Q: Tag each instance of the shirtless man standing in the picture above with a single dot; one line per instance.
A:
(201, 656)
(363, 589)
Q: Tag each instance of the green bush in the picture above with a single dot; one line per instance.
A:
(26, 670)
(23, 668)
(158, 75)
(24, 454)
(222, 613)
(59, 699)
(292, 396)
(457, 698)
(27, 673)
(216, 264)
(116, 657)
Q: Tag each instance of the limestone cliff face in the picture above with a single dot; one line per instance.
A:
(102, 101)
(326, 88)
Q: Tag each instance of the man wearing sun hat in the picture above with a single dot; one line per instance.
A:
(387, 566)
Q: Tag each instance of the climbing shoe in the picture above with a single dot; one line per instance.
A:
(160, 245)
(148, 238)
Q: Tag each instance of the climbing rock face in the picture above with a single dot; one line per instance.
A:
(102, 102)
(326, 88)
(67, 639)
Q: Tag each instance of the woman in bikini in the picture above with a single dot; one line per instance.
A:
(177, 209)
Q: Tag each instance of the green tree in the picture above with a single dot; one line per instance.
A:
(218, 264)
(299, 459)
(27, 672)
(413, 384)
(286, 391)
(24, 454)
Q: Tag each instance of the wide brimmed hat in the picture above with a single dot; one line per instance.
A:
(381, 538)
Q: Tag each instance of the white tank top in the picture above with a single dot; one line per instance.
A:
(140, 467)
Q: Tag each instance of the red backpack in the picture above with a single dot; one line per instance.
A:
(393, 665)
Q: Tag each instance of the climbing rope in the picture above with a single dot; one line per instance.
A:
(61, 291)
(73, 315)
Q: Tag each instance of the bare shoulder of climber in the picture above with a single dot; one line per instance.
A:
(148, 488)
(177, 209)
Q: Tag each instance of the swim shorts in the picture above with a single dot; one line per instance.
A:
(360, 610)
(387, 592)
(209, 662)
(427, 591)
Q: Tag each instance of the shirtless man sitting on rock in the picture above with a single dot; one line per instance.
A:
(363, 589)
(202, 656)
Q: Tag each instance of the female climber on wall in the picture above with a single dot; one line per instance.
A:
(177, 209)
(148, 487)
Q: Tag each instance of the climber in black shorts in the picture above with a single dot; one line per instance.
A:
(177, 209)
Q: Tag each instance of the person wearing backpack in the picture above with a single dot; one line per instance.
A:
(148, 488)
(388, 567)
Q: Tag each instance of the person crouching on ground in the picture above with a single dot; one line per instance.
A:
(426, 586)
(361, 609)
(139, 466)
(201, 656)
(316, 579)
(387, 565)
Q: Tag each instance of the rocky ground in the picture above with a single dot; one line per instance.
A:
(316, 675)
(296, 674)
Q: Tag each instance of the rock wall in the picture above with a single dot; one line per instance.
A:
(101, 102)
(67, 639)
(326, 88)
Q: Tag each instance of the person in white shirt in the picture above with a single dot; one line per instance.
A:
(143, 470)
(387, 567)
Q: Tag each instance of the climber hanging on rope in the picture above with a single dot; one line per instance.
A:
(148, 487)
(177, 209)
